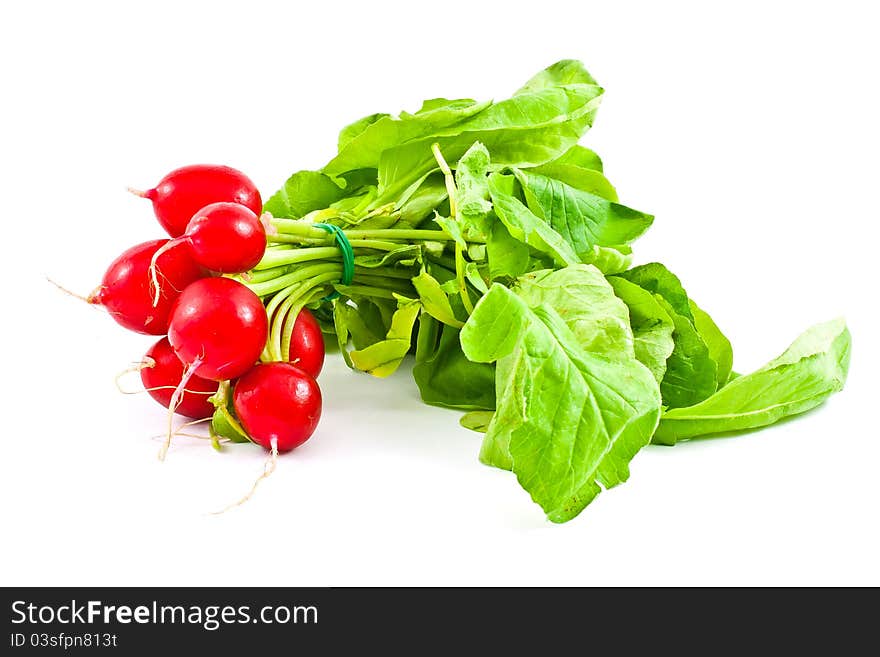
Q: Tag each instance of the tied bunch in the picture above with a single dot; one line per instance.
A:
(485, 241)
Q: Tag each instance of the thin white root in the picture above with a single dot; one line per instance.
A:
(136, 192)
(268, 468)
(145, 363)
(179, 431)
(69, 292)
(192, 423)
(222, 441)
(136, 367)
(176, 398)
(154, 271)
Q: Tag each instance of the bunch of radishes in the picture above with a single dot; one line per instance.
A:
(216, 327)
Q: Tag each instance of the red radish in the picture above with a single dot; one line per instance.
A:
(126, 291)
(278, 404)
(307, 344)
(161, 374)
(218, 328)
(226, 238)
(223, 237)
(185, 191)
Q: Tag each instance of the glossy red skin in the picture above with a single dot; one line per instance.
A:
(277, 401)
(165, 375)
(227, 238)
(307, 344)
(126, 291)
(223, 323)
(186, 190)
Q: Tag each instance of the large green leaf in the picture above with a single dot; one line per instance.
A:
(445, 377)
(579, 157)
(567, 421)
(565, 71)
(382, 358)
(362, 149)
(524, 226)
(582, 179)
(522, 131)
(304, 192)
(720, 349)
(424, 200)
(652, 326)
(582, 218)
(507, 256)
(691, 374)
(355, 128)
(656, 278)
(588, 305)
(812, 368)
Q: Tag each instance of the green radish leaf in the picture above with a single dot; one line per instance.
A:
(568, 421)
(435, 300)
(652, 326)
(524, 226)
(477, 420)
(565, 71)
(382, 358)
(527, 130)
(814, 367)
(406, 255)
(508, 257)
(609, 259)
(304, 192)
(580, 178)
(580, 157)
(363, 325)
(452, 228)
(363, 149)
(657, 279)
(691, 374)
(376, 315)
(356, 128)
(596, 316)
(224, 425)
(446, 377)
(425, 199)
(720, 349)
(475, 277)
(472, 197)
(583, 219)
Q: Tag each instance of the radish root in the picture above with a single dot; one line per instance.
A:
(154, 271)
(150, 362)
(179, 431)
(136, 367)
(268, 468)
(176, 398)
(91, 299)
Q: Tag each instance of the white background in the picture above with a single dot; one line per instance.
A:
(750, 131)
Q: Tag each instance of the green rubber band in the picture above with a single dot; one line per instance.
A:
(347, 257)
